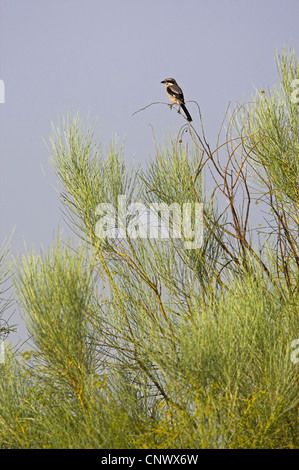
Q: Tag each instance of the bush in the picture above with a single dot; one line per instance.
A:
(155, 342)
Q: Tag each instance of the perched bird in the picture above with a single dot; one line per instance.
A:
(175, 95)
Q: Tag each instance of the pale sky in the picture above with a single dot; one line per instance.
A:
(106, 59)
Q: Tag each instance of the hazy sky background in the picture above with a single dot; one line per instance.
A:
(106, 59)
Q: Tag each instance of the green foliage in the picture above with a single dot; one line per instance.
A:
(272, 123)
(5, 300)
(4, 275)
(144, 342)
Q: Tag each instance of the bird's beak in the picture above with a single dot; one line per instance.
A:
(163, 81)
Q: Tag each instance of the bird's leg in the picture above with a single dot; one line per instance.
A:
(171, 106)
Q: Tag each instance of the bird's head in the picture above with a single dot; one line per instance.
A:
(169, 81)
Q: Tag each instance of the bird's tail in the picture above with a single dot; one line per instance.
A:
(189, 118)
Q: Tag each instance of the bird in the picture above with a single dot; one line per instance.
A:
(175, 94)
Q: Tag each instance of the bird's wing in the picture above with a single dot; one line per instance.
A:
(175, 91)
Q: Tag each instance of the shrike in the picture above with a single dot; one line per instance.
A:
(175, 95)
